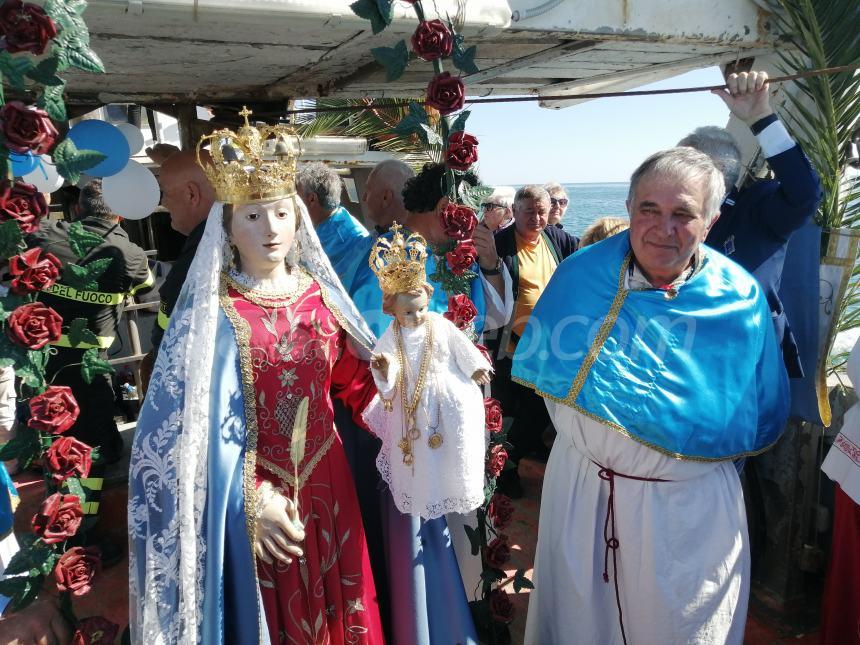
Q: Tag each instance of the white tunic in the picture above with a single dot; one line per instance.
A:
(683, 556)
(450, 478)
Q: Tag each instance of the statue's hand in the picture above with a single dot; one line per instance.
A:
(279, 530)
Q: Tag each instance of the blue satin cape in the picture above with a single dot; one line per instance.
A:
(697, 377)
(339, 235)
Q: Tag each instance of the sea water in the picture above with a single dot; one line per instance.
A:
(589, 202)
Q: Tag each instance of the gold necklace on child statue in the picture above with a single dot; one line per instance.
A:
(410, 433)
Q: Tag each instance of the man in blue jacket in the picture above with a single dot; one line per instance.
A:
(756, 222)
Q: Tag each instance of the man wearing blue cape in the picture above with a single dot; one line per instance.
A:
(658, 363)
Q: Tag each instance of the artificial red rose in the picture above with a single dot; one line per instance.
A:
(446, 93)
(33, 270)
(27, 128)
(34, 325)
(493, 415)
(68, 457)
(501, 608)
(58, 518)
(461, 311)
(497, 553)
(496, 461)
(485, 352)
(500, 510)
(22, 203)
(54, 411)
(432, 40)
(76, 569)
(458, 221)
(462, 257)
(25, 27)
(95, 630)
(462, 151)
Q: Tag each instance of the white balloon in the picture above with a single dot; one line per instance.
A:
(46, 179)
(132, 193)
(133, 135)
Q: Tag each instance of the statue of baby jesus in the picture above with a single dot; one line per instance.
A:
(430, 409)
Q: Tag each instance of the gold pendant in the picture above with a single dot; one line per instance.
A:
(408, 459)
(435, 440)
(414, 434)
(403, 444)
(387, 404)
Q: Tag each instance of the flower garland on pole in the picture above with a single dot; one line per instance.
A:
(441, 122)
(38, 43)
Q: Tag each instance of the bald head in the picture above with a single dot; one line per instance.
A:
(383, 192)
(185, 190)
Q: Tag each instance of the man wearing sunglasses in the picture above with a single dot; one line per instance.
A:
(558, 202)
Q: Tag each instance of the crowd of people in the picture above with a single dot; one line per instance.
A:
(645, 361)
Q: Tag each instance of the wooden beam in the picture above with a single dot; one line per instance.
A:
(537, 58)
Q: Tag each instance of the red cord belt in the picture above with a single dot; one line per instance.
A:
(609, 536)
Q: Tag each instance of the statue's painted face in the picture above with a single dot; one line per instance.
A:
(263, 234)
(410, 309)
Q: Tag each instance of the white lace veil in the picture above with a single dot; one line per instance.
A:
(167, 478)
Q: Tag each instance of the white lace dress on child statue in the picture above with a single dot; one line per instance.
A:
(448, 478)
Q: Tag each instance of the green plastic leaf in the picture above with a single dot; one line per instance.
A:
(31, 374)
(86, 59)
(10, 353)
(46, 71)
(92, 365)
(474, 196)
(386, 10)
(24, 444)
(71, 161)
(459, 124)
(81, 240)
(521, 582)
(15, 68)
(369, 10)
(78, 333)
(22, 590)
(85, 277)
(52, 102)
(463, 59)
(474, 538)
(393, 59)
(430, 135)
(11, 239)
(408, 125)
(33, 555)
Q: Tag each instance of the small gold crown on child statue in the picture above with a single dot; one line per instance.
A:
(254, 164)
(399, 262)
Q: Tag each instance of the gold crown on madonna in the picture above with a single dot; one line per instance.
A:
(399, 262)
(254, 164)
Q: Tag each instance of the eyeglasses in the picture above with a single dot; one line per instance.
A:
(558, 201)
(488, 206)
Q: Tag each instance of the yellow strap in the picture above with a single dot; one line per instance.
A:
(93, 484)
(150, 280)
(163, 319)
(104, 343)
(90, 508)
(89, 297)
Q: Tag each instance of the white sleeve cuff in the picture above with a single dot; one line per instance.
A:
(775, 139)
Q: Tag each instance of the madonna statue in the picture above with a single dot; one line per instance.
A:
(243, 517)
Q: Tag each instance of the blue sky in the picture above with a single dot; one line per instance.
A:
(597, 141)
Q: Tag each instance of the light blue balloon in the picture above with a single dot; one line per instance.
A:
(107, 139)
(23, 164)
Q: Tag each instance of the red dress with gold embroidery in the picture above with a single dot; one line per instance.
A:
(292, 347)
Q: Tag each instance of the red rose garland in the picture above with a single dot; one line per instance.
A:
(76, 569)
(446, 93)
(23, 203)
(26, 128)
(54, 411)
(462, 151)
(58, 518)
(95, 631)
(33, 270)
(432, 40)
(25, 27)
(68, 457)
(462, 257)
(34, 325)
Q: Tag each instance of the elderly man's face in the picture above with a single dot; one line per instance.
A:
(177, 198)
(557, 206)
(667, 224)
(530, 217)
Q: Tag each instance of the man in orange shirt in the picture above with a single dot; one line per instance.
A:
(532, 251)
